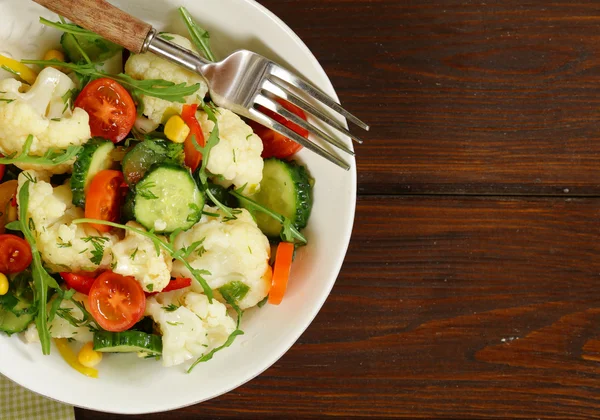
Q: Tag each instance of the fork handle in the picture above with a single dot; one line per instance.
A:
(105, 19)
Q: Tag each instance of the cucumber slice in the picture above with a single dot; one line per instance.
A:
(167, 199)
(127, 342)
(286, 189)
(97, 49)
(147, 153)
(11, 323)
(95, 157)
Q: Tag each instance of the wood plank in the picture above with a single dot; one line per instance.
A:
(494, 97)
(446, 307)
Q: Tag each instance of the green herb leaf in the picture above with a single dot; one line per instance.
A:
(212, 141)
(51, 157)
(263, 302)
(158, 243)
(233, 292)
(144, 190)
(171, 308)
(289, 232)
(156, 88)
(210, 355)
(98, 243)
(200, 37)
(42, 281)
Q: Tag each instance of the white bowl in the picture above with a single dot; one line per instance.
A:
(130, 385)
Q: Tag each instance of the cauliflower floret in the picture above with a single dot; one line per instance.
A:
(135, 256)
(40, 111)
(64, 246)
(149, 66)
(231, 251)
(236, 159)
(193, 329)
(60, 327)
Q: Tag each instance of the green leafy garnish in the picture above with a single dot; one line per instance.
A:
(165, 36)
(51, 157)
(171, 308)
(144, 190)
(263, 302)
(41, 279)
(156, 88)
(208, 356)
(98, 242)
(212, 141)
(158, 243)
(200, 37)
(289, 232)
(233, 292)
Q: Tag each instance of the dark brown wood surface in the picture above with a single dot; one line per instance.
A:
(471, 288)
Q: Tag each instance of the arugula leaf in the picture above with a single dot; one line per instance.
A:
(212, 141)
(263, 302)
(233, 292)
(200, 37)
(210, 355)
(70, 28)
(158, 243)
(42, 281)
(157, 88)
(289, 232)
(51, 157)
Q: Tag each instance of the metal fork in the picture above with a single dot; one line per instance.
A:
(244, 82)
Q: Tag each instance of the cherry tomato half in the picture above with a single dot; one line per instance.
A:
(104, 196)
(117, 302)
(79, 282)
(110, 107)
(274, 144)
(15, 254)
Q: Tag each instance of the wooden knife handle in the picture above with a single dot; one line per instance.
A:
(103, 18)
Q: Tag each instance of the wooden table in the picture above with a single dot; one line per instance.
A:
(471, 288)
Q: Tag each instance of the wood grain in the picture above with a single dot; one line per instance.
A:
(101, 17)
(451, 305)
(446, 307)
(465, 97)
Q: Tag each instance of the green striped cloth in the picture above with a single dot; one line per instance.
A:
(17, 403)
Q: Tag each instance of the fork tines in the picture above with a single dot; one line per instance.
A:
(277, 85)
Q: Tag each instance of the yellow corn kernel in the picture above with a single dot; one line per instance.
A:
(3, 285)
(176, 129)
(62, 344)
(55, 55)
(88, 357)
(19, 68)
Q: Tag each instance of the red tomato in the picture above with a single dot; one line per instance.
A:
(274, 144)
(111, 109)
(79, 282)
(103, 199)
(2, 169)
(174, 284)
(15, 254)
(117, 302)
(192, 156)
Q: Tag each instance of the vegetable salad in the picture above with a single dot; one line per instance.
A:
(135, 215)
